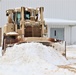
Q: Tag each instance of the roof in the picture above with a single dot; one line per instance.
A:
(50, 21)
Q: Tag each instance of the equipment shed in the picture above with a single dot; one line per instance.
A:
(62, 30)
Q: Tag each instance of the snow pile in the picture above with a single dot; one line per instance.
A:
(34, 50)
(0, 51)
(71, 51)
(11, 33)
(32, 59)
(59, 46)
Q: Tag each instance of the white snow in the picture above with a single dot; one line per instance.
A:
(0, 51)
(11, 33)
(32, 59)
(45, 53)
(59, 21)
(59, 46)
(71, 51)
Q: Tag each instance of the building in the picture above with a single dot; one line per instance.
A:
(62, 29)
(61, 16)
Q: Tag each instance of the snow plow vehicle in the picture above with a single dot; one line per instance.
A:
(25, 25)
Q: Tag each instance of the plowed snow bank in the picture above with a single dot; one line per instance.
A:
(32, 59)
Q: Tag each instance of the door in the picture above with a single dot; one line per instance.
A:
(57, 33)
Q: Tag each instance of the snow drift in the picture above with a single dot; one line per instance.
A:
(34, 50)
(32, 59)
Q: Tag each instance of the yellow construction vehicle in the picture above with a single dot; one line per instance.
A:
(27, 22)
(25, 25)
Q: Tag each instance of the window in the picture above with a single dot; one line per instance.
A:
(55, 33)
(18, 18)
(27, 15)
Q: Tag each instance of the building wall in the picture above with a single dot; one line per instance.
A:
(67, 35)
(74, 35)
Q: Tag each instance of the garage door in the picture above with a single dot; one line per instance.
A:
(57, 33)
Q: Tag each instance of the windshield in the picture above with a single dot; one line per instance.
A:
(17, 18)
(27, 15)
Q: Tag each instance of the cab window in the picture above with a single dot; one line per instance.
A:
(27, 15)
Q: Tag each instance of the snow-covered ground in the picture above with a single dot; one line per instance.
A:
(34, 59)
(0, 51)
(71, 51)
